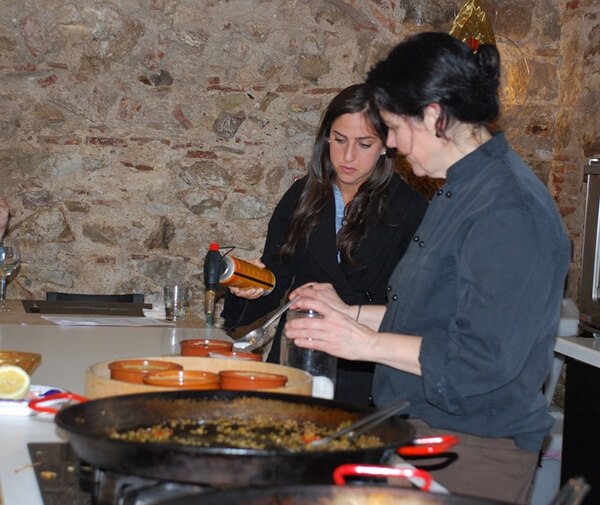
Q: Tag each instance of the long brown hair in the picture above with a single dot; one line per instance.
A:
(317, 190)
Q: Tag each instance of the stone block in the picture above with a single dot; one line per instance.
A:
(48, 225)
(247, 207)
(206, 173)
(514, 19)
(80, 95)
(312, 66)
(102, 233)
(227, 124)
(35, 34)
(162, 236)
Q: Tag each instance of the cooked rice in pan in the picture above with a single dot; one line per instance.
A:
(258, 432)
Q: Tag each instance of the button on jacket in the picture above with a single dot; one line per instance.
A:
(481, 283)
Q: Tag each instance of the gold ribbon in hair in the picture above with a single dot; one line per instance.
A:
(472, 25)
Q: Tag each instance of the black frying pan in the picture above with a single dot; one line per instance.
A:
(86, 425)
(329, 495)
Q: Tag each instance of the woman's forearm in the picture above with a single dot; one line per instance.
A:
(397, 351)
(391, 349)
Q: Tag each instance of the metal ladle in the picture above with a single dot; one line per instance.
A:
(257, 337)
(363, 425)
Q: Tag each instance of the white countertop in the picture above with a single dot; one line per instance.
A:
(583, 349)
(17, 479)
(66, 352)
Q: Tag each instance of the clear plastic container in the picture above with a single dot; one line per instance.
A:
(322, 366)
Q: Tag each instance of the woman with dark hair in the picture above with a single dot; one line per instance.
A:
(347, 222)
(467, 334)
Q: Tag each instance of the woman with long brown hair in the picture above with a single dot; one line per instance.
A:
(347, 222)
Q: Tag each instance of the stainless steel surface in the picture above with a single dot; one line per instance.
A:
(257, 337)
(589, 293)
(593, 166)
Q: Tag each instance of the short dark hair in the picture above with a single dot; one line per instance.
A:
(437, 68)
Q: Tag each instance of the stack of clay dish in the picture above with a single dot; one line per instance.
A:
(245, 380)
(247, 356)
(134, 370)
(202, 346)
(185, 379)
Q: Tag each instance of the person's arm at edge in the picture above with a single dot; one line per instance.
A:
(4, 213)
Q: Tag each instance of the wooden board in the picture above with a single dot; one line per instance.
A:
(98, 383)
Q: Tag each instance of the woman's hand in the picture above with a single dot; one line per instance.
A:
(4, 212)
(335, 333)
(322, 292)
(338, 334)
(249, 293)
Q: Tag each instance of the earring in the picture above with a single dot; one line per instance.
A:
(328, 141)
(437, 134)
(383, 153)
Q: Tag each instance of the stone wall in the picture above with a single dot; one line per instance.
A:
(134, 133)
(577, 125)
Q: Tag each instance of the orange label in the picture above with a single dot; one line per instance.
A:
(247, 275)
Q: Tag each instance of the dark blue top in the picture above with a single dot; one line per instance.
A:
(481, 282)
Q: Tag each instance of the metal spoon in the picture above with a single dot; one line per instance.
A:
(257, 337)
(364, 424)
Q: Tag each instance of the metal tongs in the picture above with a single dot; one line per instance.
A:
(257, 337)
(362, 426)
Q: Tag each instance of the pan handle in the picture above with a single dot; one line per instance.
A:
(34, 404)
(343, 471)
(428, 446)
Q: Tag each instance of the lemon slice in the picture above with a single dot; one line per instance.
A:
(14, 382)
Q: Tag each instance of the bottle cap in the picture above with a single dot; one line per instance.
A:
(213, 247)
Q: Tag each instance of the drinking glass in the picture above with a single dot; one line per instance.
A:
(319, 364)
(10, 259)
(176, 301)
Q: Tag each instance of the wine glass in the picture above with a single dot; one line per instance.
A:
(10, 259)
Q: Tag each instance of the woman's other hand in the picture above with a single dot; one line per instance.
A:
(249, 293)
(322, 292)
(4, 212)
